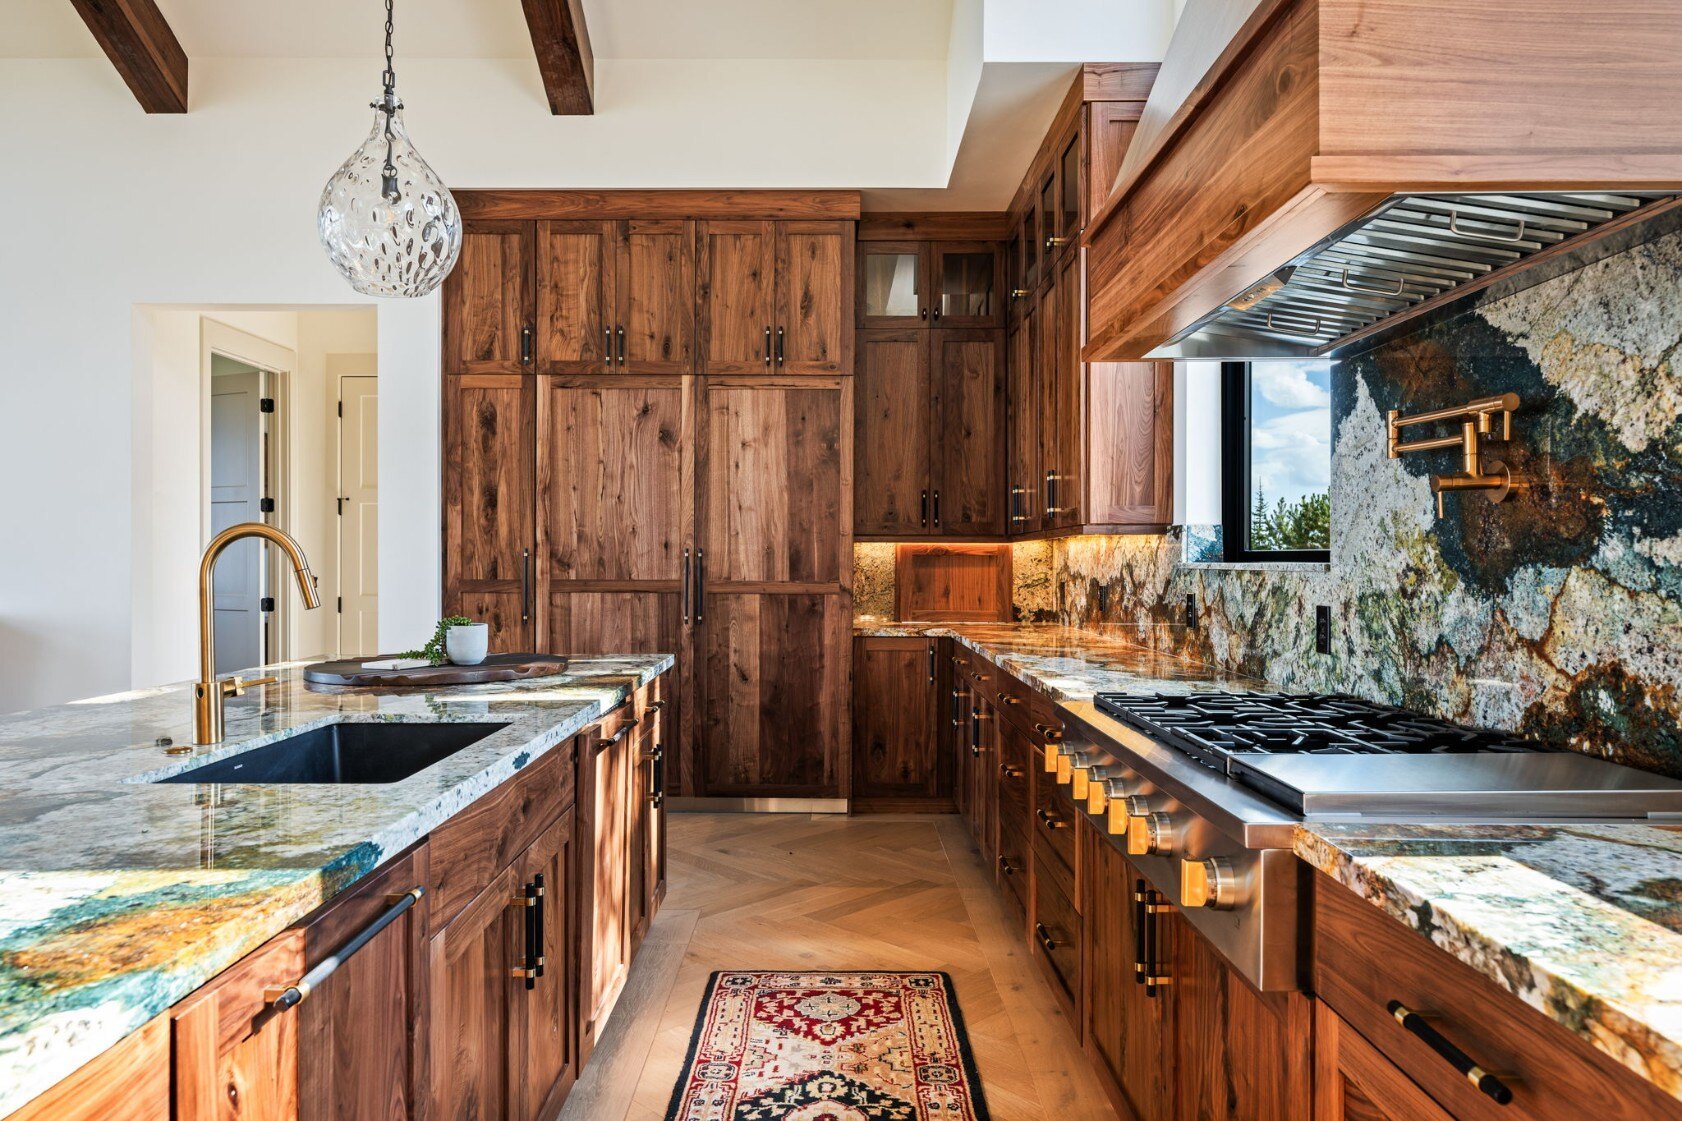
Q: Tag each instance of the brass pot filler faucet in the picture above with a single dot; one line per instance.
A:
(1476, 419)
(209, 692)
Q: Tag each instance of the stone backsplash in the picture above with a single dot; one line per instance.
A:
(1557, 613)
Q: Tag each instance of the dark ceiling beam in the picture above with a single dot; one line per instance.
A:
(138, 41)
(563, 55)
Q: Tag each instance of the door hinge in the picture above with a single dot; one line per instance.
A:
(265, 405)
(266, 603)
(265, 505)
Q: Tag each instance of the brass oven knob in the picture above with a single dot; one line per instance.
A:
(1208, 883)
(1150, 835)
(1098, 788)
(1065, 768)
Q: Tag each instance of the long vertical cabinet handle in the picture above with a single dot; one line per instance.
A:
(767, 348)
(607, 346)
(525, 585)
(537, 936)
(700, 585)
(937, 509)
(779, 346)
(931, 662)
(528, 904)
(923, 510)
(685, 592)
(621, 344)
(525, 346)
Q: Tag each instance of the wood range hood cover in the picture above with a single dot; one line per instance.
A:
(1312, 171)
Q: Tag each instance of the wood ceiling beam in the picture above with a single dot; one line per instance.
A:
(562, 44)
(137, 39)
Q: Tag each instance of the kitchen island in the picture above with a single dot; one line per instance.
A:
(121, 895)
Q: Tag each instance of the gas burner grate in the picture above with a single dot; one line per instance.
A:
(1213, 727)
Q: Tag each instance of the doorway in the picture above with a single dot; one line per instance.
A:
(245, 478)
(358, 504)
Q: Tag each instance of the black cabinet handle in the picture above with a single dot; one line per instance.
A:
(684, 593)
(620, 734)
(1008, 771)
(1147, 939)
(922, 313)
(1050, 820)
(607, 345)
(621, 345)
(937, 509)
(525, 346)
(537, 938)
(290, 996)
(931, 662)
(1493, 1087)
(700, 584)
(957, 706)
(975, 731)
(1007, 867)
(767, 348)
(923, 509)
(527, 901)
(1044, 937)
(937, 312)
(779, 346)
(525, 585)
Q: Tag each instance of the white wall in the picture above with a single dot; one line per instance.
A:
(114, 209)
(1078, 30)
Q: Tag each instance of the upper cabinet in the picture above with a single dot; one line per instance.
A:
(488, 306)
(1318, 115)
(966, 278)
(775, 297)
(930, 284)
(615, 297)
(893, 284)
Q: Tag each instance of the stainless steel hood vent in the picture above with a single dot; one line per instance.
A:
(1412, 249)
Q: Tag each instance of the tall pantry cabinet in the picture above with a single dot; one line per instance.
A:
(648, 447)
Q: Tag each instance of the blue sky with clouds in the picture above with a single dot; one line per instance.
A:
(1290, 428)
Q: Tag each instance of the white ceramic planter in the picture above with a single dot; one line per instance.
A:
(467, 646)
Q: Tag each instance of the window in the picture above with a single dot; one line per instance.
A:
(1276, 444)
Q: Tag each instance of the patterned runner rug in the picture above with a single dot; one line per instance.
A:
(828, 1047)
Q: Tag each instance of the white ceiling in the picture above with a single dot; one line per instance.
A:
(642, 29)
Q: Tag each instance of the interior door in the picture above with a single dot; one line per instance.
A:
(969, 384)
(548, 1028)
(470, 991)
(894, 435)
(737, 262)
(488, 304)
(489, 429)
(772, 610)
(654, 331)
(814, 292)
(236, 493)
(575, 297)
(359, 501)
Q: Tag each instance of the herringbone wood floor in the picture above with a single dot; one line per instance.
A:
(827, 892)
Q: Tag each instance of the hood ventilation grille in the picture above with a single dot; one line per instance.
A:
(1411, 249)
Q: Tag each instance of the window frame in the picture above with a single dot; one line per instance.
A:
(1235, 477)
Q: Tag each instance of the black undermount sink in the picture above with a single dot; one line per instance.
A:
(343, 753)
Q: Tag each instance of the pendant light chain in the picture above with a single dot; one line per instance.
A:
(388, 106)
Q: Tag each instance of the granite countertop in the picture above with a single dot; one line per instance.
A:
(1582, 922)
(118, 898)
(1071, 664)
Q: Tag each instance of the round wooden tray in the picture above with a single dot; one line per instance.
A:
(497, 667)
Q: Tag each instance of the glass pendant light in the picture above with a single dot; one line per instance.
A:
(386, 220)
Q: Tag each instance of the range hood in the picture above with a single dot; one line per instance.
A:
(1412, 249)
(1316, 171)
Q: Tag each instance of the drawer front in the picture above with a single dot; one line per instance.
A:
(1014, 783)
(1053, 823)
(470, 849)
(1364, 959)
(1013, 864)
(1056, 930)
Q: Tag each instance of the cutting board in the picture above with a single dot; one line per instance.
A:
(497, 667)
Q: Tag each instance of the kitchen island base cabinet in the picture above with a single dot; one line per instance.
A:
(898, 764)
(130, 1082)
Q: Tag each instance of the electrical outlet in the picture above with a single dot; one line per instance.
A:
(1323, 629)
(1191, 610)
(1103, 598)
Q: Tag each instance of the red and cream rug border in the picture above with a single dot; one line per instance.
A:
(765, 1040)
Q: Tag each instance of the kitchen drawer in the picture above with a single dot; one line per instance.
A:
(1056, 931)
(1013, 864)
(1053, 824)
(1364, 959)
(470, 849)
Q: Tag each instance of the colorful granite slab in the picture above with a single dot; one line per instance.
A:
(1582, 922)
(119, 897)
(1071, 664)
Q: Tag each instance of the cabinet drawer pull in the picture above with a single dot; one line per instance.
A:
(1050, 821)
(620, 734)
(1009, 771)
(1044, 937)
(1006, 866)
(529, 906)
(282, 997)
(1008, 699)
(1413, 1022)
(656, 706)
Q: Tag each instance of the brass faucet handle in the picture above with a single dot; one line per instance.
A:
(236, 686)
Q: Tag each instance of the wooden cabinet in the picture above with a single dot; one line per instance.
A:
(892, 286)
(489, 301)
(1024, 510)
(897, 761)
(647, 861)
(489, 422)
(930, 416)
(471, 1048)
(776, 297)
(130, 1082)
(549, 1053)
(615, 296)
(966, 283)
(1353, 1081)
(607, 771)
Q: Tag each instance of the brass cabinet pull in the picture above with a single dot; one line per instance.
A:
(1009, 771)
(1050, 820)
(1147, 939)
(1044, 937)
(1006, 698)
(282, 997)
(1416, 1025)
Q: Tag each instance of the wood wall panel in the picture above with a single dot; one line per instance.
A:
(953, 583)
